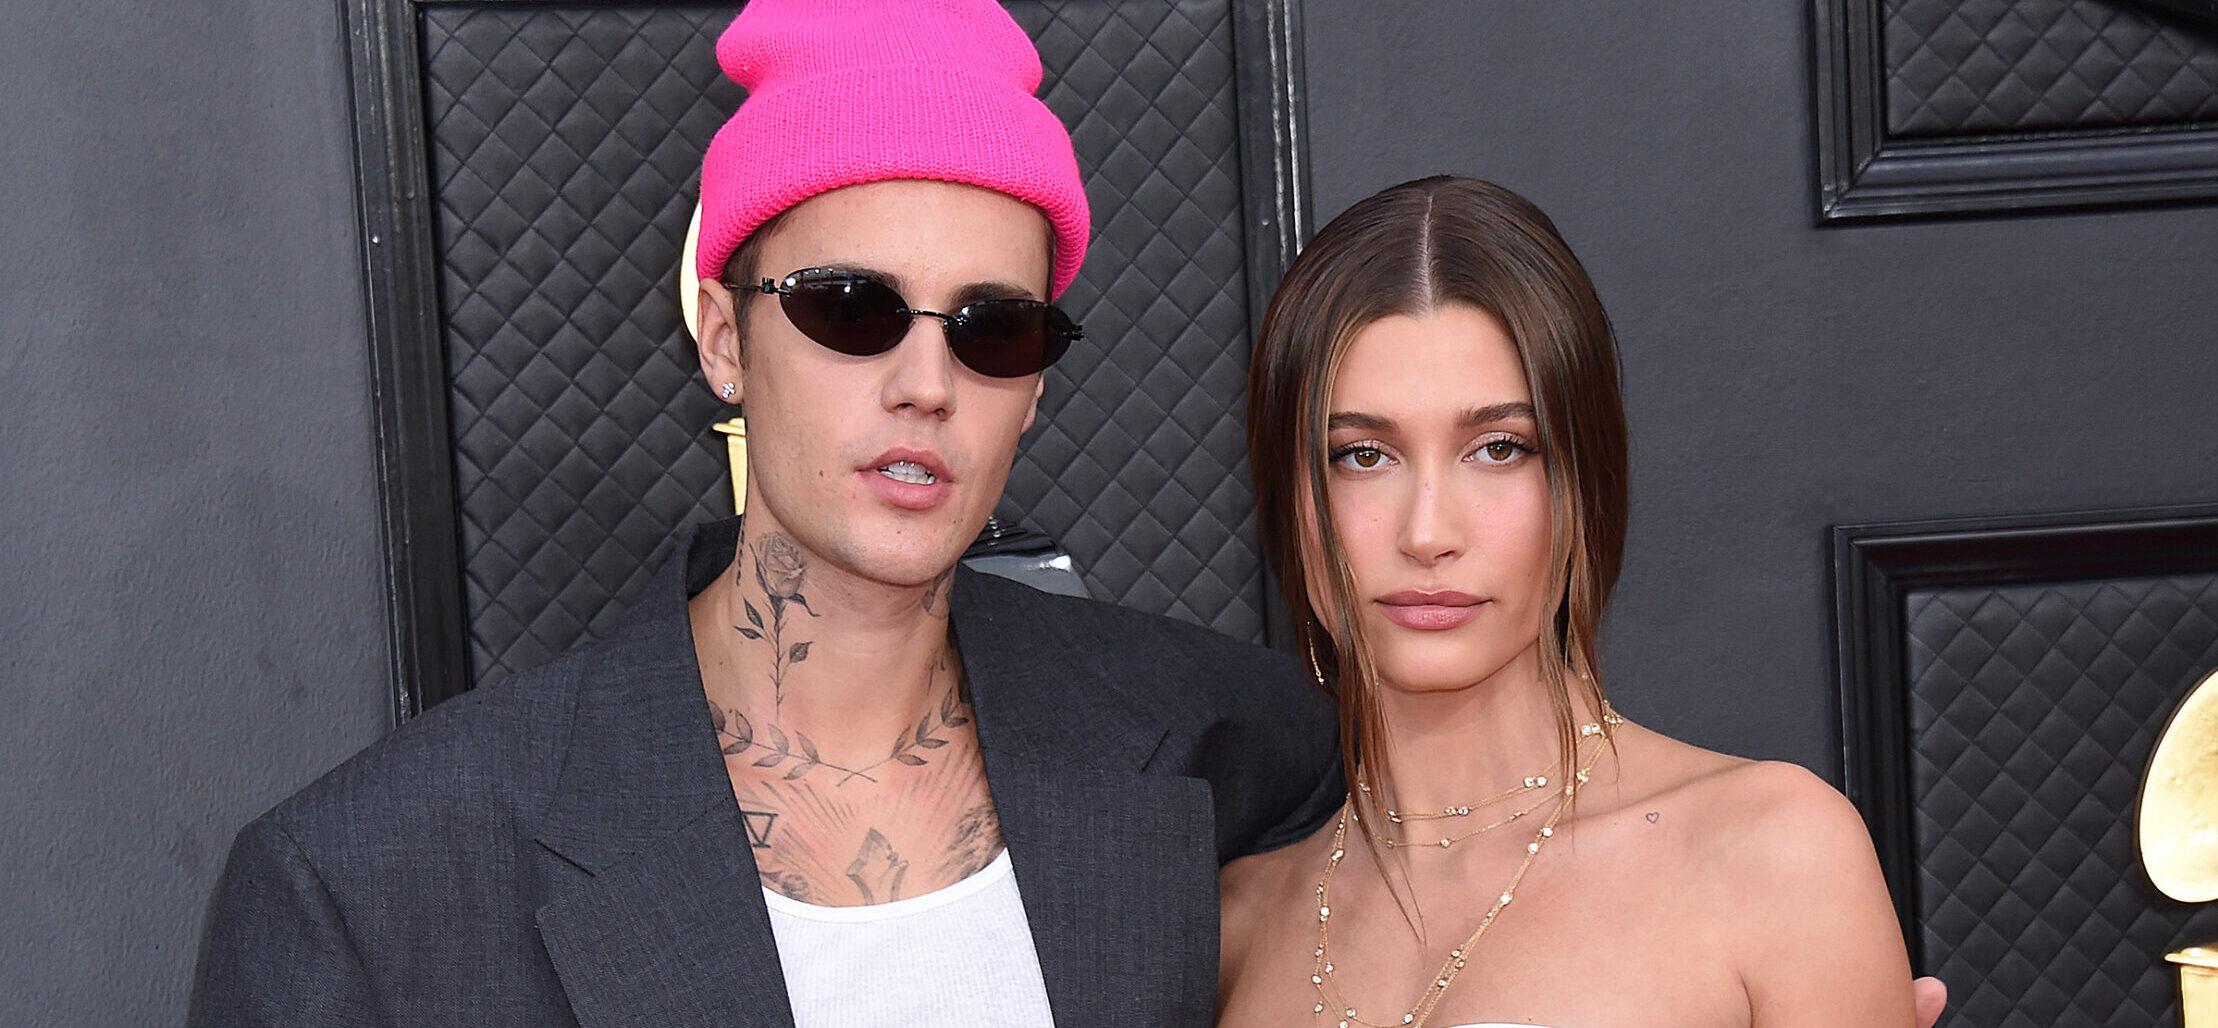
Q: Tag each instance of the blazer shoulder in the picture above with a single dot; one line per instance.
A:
(1246, 719)
(1183, 660)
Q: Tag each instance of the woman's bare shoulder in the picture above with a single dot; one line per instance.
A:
(1781, 818)
(1659, 764)
(1760, 818)
(1785, 858)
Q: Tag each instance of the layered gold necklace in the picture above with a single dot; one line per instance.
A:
(1414, 1016)
(1403, 817)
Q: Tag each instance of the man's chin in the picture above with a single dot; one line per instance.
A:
(911, 551)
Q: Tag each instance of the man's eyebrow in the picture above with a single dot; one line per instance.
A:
(1358, 419)
(865, 271)
(969, 293)
(977, 291)
(1494, 412)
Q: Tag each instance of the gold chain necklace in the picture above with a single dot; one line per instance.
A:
(1532, 782)
(1446, 840)
(1320, 976)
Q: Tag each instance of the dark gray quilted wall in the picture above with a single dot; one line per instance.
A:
(1973, 67)
(565, 143)
(2034, 709)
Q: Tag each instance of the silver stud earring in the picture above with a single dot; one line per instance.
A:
(727, 389)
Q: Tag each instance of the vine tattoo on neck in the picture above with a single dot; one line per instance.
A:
(952, 711)
(736, 735)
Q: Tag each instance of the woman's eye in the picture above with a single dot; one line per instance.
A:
(1361, 458)
(1500, 451)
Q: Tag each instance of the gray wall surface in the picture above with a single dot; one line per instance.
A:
(1779, 377)
(191, 614)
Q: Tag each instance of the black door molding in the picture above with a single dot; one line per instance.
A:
(1874, 569)
(425, 612)
(1865, 173)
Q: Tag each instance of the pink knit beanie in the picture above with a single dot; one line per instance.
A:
(842, 92)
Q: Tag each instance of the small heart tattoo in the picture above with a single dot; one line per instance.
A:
(1652, 816)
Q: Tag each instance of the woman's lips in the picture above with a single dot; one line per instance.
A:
(1429, 612)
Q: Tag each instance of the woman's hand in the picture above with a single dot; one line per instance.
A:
(1931, 997)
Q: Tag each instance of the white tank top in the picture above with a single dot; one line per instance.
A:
(961, 955)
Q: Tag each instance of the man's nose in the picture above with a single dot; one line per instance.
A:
(923, 376)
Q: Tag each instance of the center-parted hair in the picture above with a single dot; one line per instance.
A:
(1407, 250)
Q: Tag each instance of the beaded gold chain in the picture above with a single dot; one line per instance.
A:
(1320, 975)
(1446, 840)
(1531, 783)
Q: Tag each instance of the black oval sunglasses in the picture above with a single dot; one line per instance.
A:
(858, 315)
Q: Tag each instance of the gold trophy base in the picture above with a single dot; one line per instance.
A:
(2198, 985)
(735, 441)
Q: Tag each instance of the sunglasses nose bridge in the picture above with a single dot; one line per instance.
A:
(949, 323)
(944, 319)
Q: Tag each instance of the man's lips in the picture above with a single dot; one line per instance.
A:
(908, 478)
(1429, 611)
(928, 460)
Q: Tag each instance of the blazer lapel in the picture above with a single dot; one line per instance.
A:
(1117, 869)
(670, 927)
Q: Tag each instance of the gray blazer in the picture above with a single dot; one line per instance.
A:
(564, 849)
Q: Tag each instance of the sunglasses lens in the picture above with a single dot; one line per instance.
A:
(847, 313)
(1010, 338)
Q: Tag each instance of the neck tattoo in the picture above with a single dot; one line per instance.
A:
(781, 570)
(737, 736)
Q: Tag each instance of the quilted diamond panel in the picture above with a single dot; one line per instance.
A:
(1967, 67)
(565, 147)
(2034, 709)
(1140, 469)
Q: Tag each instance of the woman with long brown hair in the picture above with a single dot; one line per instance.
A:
(1439, 450)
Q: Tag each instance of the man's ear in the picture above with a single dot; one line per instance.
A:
(1032, 413)
(716, 339)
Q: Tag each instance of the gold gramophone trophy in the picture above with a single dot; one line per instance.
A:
(2177, 831)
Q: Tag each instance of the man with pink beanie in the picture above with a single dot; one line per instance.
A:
(821, 775)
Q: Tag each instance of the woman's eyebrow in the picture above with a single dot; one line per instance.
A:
(1358, 419)
(1472, 417)
(1494, 412)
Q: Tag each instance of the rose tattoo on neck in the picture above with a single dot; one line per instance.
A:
(780, 571)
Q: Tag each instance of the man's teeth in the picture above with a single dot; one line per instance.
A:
(908, 471)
